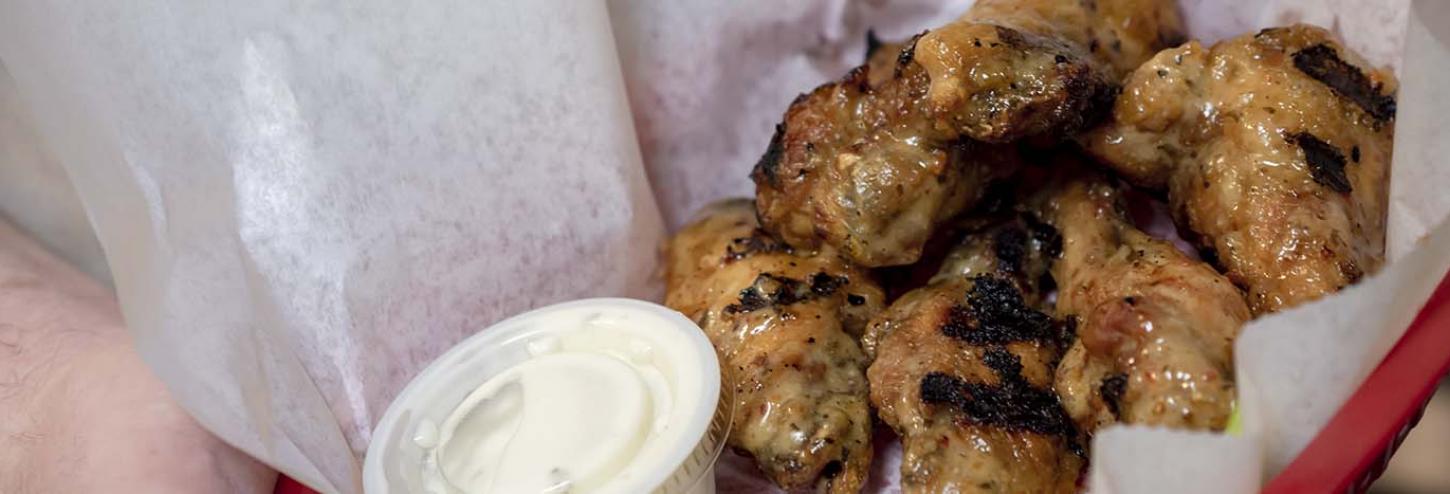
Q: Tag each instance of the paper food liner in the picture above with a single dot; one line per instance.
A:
(302, 204)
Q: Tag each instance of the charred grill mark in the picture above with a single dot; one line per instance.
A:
(873, 43)
(758, 242)
(1112, 389)
(823, 284)
(1009, 245)
(1269, 31)
(1002, 315)
(1012, 405)
(996, 314)
(1004, 363)
(908, 52)
(958, 323)
(751, 299)
(1324, 65)
(1047, 237)
(1326, 163)
(770, 290)
(765, 169)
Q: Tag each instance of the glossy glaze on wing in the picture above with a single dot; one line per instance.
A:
(1155, 328)
(871, 164)
(785, 324)
(963, 371)
(1274, 149)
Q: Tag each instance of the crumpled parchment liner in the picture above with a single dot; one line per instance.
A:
(301, 205)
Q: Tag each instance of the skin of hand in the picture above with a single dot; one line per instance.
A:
(79, 410)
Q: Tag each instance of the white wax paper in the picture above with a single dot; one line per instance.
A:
(303, 203)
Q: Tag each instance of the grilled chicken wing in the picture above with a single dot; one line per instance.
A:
(872, 163)
(1155, 328)
(786, 327)
(963, 371)
(1274, 149)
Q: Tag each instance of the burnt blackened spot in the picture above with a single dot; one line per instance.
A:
(1004, 363)
(765, 169)
(1268, 31)
(1009, 244)
(823, 284)
(996, 314)
(1354, 154)
(908, 52)
(750, 300)
(832, 469)
(1324, 65)
(1059, 59)
(855, 299)
(1048, 239)
(1001, 314)
(1112, 389)
(769, 290)
(958, 323)
(938, 388)
(1013, 404)
(873, 43)
(758, 242)
(1326, 163)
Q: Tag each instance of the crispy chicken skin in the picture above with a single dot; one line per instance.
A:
(785, 325)
(1155, 328)
(1121, 33)
(871, 164)
(963, 371)
(1274, 150)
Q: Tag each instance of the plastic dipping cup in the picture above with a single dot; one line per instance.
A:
(592, 396)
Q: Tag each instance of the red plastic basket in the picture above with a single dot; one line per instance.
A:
(1353, 450)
